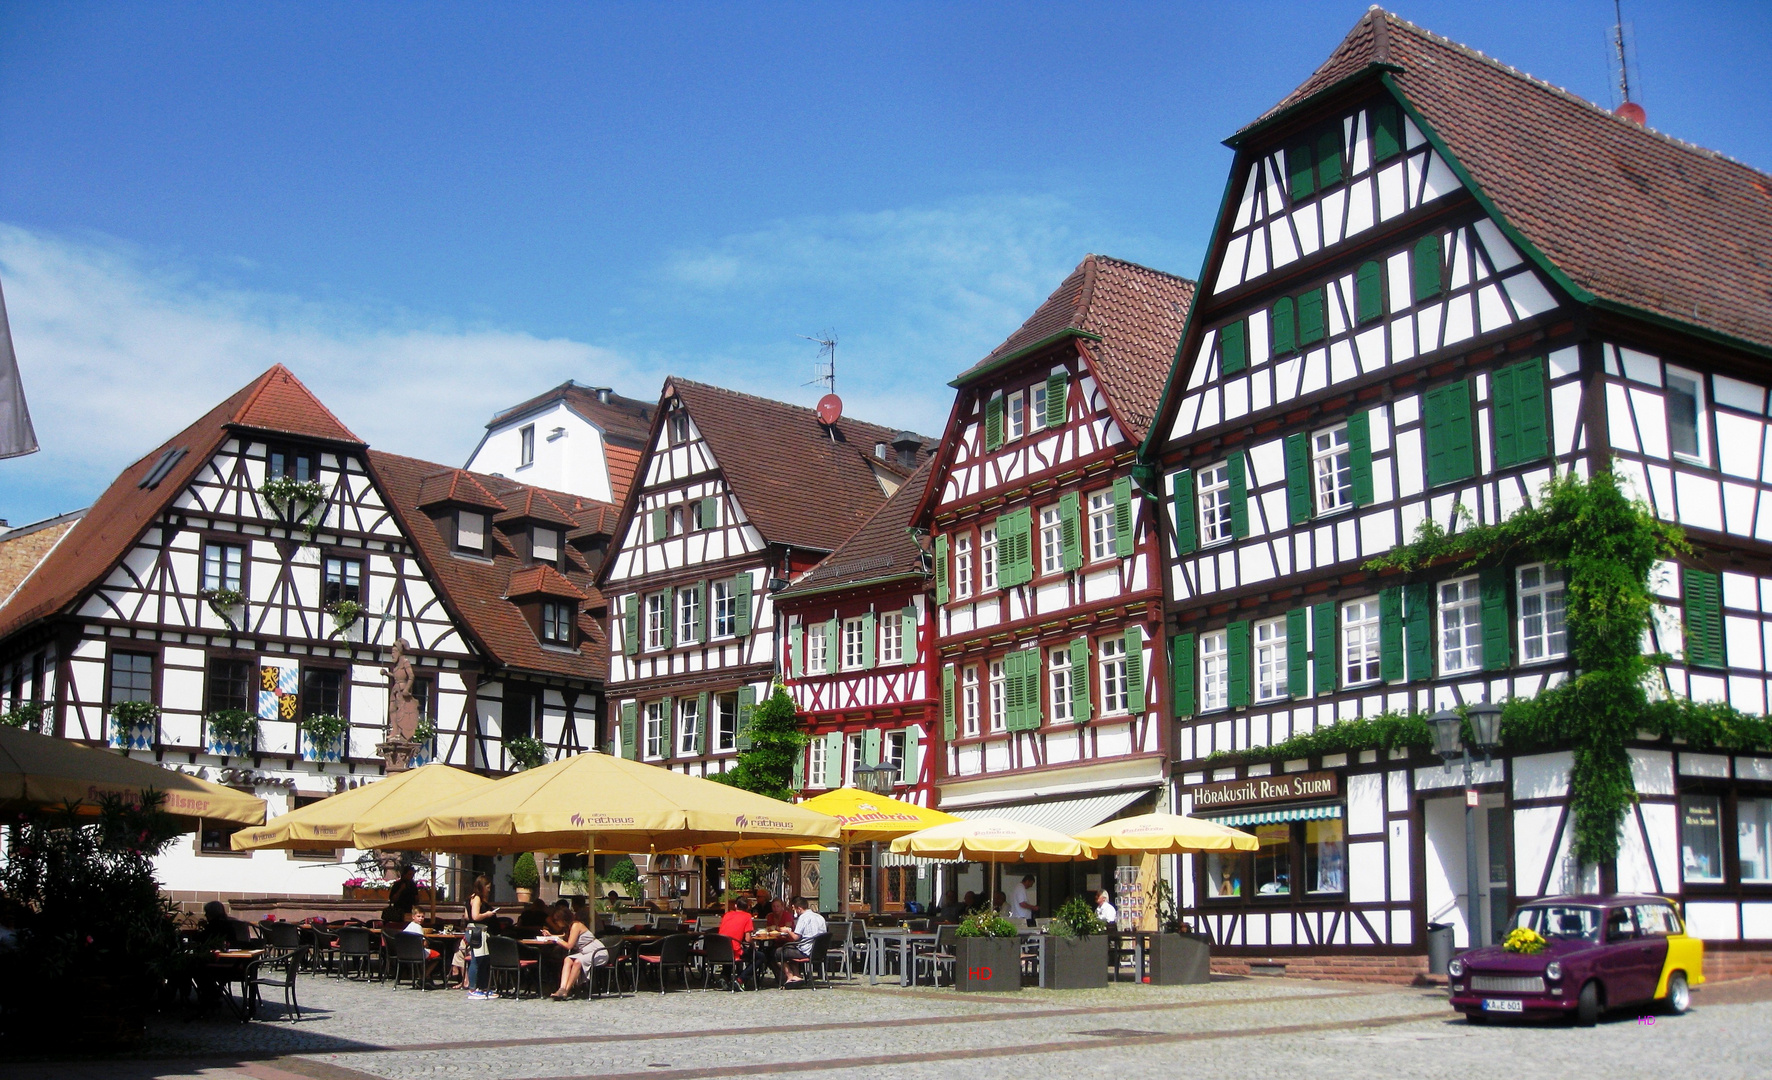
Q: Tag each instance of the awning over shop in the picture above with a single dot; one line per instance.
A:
(1061, 815)
(1272, 817)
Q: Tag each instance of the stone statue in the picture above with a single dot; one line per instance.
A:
(403, 706)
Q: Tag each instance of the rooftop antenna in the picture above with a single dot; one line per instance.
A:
(1627, 108)
(830, 407)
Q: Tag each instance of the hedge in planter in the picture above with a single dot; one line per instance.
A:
(1074, 955)
(987, 953)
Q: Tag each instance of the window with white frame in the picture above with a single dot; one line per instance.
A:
(894, 755)
(688, 719)
(1037, 407)
(969, 701)
(1058, 681)
(892, 638)
(815, 649)
(688, 616)
(1215, 503)
(999, 696)
(1685, 414)
(658, 620)
(223, 565)
(1215, 671)
(987, 557)
(676, 521)
(1015, 411)
(1332, 469)
(527, 434)
(1539, 589)
(655, 729)
(725, 621)
(1101, 525)
(557, 617)
(815, 766)
(1360, 642)
(725, 721)
(852, 644)
(858, 757)
(963, 566)
(1111, 660)
(1270, 659)
(1051, 541)
(1461, 626)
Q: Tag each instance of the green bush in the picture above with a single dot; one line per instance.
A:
(985, 923)
(524, 874)
(29, 716)
(526, 752)
(1076, 917)
(623, 872)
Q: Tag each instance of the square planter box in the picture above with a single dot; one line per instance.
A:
(988, 964)
(1179, 959)
(1077, 963)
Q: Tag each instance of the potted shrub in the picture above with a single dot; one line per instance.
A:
(232, 732)
(987, 953)
(422, 735)
(1074, 955)
(323, 737)
(526, 752)
(132, 724)
(28, 716)
(1176, 957)
(524, 877)
(361, 888)
(345, 614)
(224, 602)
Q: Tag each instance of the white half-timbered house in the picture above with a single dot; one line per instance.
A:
(737, 496)
(857, 659)
(186, 587)
(1435, 279)
(1047, 562)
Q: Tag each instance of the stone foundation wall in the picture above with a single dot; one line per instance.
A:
(1349, 968)
(1722, 966)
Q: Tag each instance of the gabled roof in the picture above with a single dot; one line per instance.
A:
(542, 581)
(1129, 319)
(1623, 215)
(623, 420)
(457, 487)
(799, 482)
(278, 402)
(881, 550)
(535, 504)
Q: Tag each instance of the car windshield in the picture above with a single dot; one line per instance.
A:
(1559, 922)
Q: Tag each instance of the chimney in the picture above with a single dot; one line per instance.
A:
(907, 443)
(602, 393)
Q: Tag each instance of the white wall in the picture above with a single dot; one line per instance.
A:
(571, 460)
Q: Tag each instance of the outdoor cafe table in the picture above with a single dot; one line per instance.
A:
(228, 967)
(906, 940)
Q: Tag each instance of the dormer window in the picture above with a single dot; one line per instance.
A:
(284, 461)
(557, 617)
(470, 531)
(544, 545)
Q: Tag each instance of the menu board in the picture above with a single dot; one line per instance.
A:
(1129, 895)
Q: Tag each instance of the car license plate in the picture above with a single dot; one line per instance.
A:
(1502, 1005)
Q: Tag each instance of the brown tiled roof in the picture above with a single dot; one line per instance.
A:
(1131, 317)
(534, 504)
(542, 581)
(1631, 216)
(882, 549)
(458, 487)
(476, 590)
(275, 401)
(799, 482)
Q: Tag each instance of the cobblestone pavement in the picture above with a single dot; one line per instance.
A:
(1233, 1027)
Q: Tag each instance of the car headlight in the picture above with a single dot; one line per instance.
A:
(1455, 969)
(1553, 971)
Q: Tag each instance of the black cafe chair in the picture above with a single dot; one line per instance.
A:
(412, 953)
(277, 973)
(505, 958)
(675, 951)
(356, 952)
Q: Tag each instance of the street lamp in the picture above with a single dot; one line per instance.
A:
(1485, 722)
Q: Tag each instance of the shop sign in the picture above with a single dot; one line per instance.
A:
(1264, 789)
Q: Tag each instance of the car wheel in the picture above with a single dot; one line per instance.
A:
(1679, 994)
(1587, 1007)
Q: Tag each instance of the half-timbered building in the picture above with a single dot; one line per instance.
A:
(857, 659)
(1047, 566)
(187, 586)
(1434, 281)
(737, 496)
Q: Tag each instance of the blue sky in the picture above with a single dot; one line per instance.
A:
(430, 211)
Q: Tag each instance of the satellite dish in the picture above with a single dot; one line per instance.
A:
(830, 409)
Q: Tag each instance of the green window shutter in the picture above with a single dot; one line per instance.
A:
(1329, 151)
(1359, 445)
(1187, 530)
(870, 747)
(947, 702)
(913, 758)
(1123, 533)
(1418, 630)
(1031, 694)
(1080, 711)
(1390, 634)
(1517, 397)
(868, 622)
(1008, 551)
(1428, 267)
(703, 598)
(660, 522)
(669, 638)
(993, 423)
(907, 628)
(1056, 388)
(701, 724)
(799, 781)
(668, 745)
(1135, 670)
(1285, 326)
(1014, 707)
(1299, 504)
(741, 604)
(1237, 655)
(1311, 328)
(1181, 674)
(830, 880)
(1298, 675)
(833, 644)
(1369, 293)
(1387, 141)
(630, 626)
(747, 703)
(833, 759)
(1233, 348)
(941, 569)
(710, 511)
(1239, 495)
(1024, 545)
(1702, 593)
(1497, 629)
(630, 722)
(796, 650)
(1323, 647)
(1447, 410)
(1069, 528)
(1301, 173)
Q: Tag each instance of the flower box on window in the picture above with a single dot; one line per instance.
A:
(134, 725)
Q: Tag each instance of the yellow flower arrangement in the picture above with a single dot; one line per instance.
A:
(1523, 940)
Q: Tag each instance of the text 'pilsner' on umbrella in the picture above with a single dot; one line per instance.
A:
(41, 772)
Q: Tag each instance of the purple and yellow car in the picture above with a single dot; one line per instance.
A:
(1594, 953)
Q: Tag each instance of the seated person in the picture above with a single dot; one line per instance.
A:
(415, 925)
(583, 950)
(534, 913)
(808, 925)
(1104, 908)
(738, 925)
(780, 917)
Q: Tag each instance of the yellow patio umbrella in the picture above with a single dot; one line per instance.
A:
(1165, 834)
(867, 818)
(41, 772)
(338, 820)
(990, 839)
